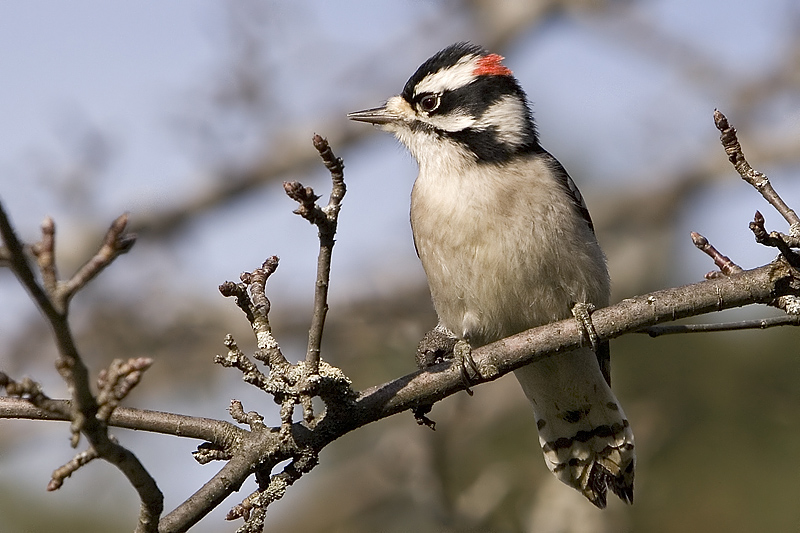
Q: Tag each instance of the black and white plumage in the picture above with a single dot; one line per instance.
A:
(507, 244)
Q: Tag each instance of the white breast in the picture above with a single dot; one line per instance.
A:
(503, 252)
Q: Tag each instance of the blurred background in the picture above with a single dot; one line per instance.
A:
(190, 114)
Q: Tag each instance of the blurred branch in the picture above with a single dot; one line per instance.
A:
(503, 22)
(217, 432)
(232, 185)
(686, 57)
(87, 415)
(635, 215)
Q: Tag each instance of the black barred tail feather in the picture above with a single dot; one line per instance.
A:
(586, 439)
(592, 461)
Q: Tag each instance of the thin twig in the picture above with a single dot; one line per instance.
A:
(326, 220)
(755, 178)
(251, 418)
(44, 251)
(17, 261)
(63, 472)
(256, 307)
(336, 167)
(762, 323)
(269, 350)
(327, 233)
(53, 300)
(29, 390)
(726, 266)
(115, 243)
(237, 359)
(239, 292)
(217, 432)
(781, 241)
(117, 381)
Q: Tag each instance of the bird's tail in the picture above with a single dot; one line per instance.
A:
(585, 436)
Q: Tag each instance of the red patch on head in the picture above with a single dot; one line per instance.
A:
(491, 65)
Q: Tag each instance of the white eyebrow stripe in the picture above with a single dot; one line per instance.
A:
(449, 78)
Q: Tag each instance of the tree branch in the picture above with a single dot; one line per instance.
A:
(53, 300)
(326, 219)
(761, 323)
(760, 285)
(218, 432)
(755, 178)
(726, 266)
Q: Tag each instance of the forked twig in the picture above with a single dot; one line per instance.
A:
(52, 297)
(755, 178)
(326, 219)
(726, 266)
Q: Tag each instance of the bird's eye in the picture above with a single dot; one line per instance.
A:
(429, 102)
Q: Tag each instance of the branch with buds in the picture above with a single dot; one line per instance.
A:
(88, 414)
(256, 449)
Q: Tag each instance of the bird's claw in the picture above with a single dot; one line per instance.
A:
(582, 311)
(462, 353)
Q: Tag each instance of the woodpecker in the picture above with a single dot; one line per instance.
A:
(507, 244)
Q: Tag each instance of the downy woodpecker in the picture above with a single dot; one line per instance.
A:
(507, 244)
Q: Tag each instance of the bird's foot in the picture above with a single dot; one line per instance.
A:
(462, 353)
(440, 345)
(435, 347)
(582, 311)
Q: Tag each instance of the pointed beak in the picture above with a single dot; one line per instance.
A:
(376, 115)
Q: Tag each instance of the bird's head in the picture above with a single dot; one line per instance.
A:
(462, 101)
